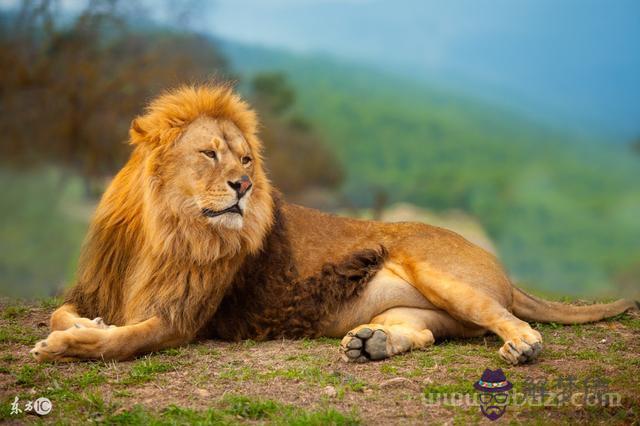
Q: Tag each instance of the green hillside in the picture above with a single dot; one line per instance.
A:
(562, 209)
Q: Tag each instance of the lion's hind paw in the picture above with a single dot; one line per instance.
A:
(522, 349)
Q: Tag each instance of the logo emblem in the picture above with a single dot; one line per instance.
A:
(494, 393)
(42, 406)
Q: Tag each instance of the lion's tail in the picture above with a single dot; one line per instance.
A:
(530, 308)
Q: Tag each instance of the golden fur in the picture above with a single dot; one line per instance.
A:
(166, 258)
(142, 253)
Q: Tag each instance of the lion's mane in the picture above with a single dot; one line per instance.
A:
(141, 258)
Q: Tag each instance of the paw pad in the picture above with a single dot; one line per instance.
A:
(365, 345)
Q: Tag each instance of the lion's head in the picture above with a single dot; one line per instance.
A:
(214, 174)
(203, 166)
(180, 217)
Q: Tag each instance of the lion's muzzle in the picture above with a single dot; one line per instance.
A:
(213, 213)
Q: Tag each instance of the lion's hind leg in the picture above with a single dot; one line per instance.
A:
(393, 332)
(474, 305)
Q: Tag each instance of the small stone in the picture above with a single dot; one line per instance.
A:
(393, 382)
(397, 382)
(330, 391)
(603, 341)
(203, 393)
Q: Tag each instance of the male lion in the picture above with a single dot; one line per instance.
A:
(190, 240)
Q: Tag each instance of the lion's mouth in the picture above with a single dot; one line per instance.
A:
(213, 213)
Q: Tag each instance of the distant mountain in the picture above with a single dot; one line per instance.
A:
(562, 208)
(573, 63)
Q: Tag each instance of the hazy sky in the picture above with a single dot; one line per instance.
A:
(580, 57)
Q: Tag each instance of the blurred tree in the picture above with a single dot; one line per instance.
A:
(297, 157)
(272, 91)
(70, 91)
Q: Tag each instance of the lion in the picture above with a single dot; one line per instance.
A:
(191, 241)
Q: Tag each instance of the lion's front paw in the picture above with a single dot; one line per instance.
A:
(522, 349)
(97, 322)
(53, 348)
(365, 344)
(69, 345)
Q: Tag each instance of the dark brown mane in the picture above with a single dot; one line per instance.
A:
(268, 299)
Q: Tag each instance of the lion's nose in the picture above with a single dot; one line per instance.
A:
(241, 186)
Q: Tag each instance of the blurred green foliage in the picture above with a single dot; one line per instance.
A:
(42, 224)
(563, 209)
(288, 136)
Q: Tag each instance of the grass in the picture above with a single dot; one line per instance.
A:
(93, 376)
(310, 374)
(305, 382)
(146, 370)
(231, 409)
(50, 303)
(462, 388)
(14, 311)
(235, 408)
(14, 333)
(631, 322)
(389, 369)
(27, 374)
(172, 352)
(249, 408)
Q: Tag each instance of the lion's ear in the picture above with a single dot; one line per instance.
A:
(136, 132)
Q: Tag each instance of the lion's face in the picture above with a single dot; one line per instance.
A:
(213, 173)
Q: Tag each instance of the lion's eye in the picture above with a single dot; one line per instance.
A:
(245, 160)
(210, 154)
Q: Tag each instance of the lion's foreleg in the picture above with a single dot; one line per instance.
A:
(67, 316)
(113, 343)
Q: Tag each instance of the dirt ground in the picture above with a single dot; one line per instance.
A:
(305, 381)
